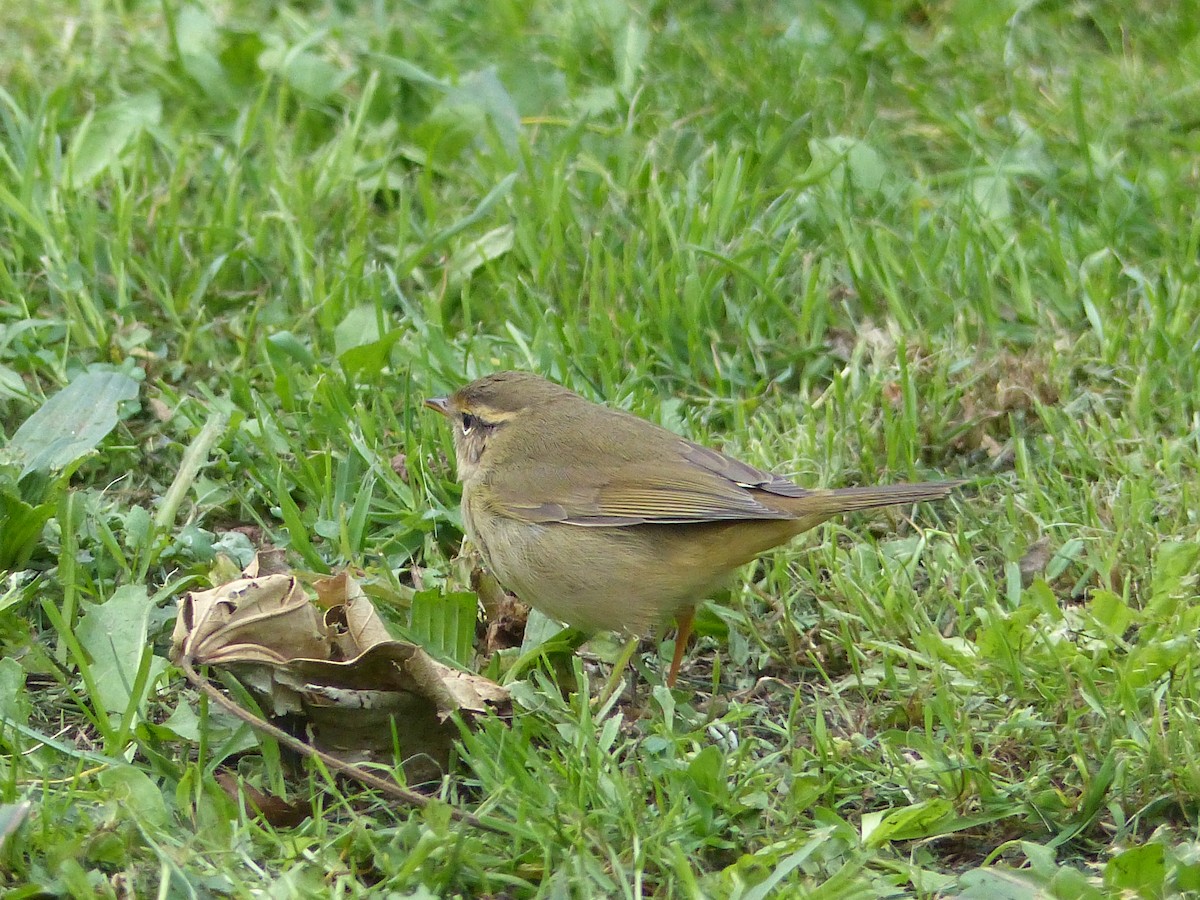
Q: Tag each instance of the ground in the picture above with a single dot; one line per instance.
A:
(848, 242)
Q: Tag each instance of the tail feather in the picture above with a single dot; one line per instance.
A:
(823, 504)
(891, 494)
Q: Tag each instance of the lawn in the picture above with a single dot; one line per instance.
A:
(847, 242)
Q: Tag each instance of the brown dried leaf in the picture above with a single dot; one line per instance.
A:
(399, 464)
(350, 615)
(506, 626)
(159, 409)
(334, 590)
(506, 615)
(992, 447)
(1006, 387)
(251, 620)
(274, 810)
(455, 690)
(360, 692)
(1035, 560)
(271, 561)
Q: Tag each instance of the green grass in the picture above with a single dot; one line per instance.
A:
(849, 242)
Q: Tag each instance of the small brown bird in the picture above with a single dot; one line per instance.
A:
(608, 522)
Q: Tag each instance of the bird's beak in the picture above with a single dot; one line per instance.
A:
(439, 404)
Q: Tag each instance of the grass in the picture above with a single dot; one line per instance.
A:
(849, 242)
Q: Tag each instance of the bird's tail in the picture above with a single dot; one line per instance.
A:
(847, 499)
(814, 507)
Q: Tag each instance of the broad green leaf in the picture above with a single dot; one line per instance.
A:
(1176, 567)
(999, 883)
(445, 623)
(72, 422)
(1042, 880)
(704, 770)
(360, 348)
(105, 135)
(195, 30)
(484, 90)
(132, 793)
(114, 635)
(136, 528)
(1040, 596)
(1185, 868)
(369, 360)
(705, 783)
(989, 194)
(1151, 660)
(198, 41)
(1139, 871)
(11, 385)
(12, 815)
(21, 523)
(409, 71)
(313, 76)
(1110, 612)
(205, 69)
(14, 699)
(907, 823)
(469, 257)
(226, 734)
(303, 71)
(239, 58)
(843, 157)
(539, 628)
(283, 345)
(478, 102)
(359, 326)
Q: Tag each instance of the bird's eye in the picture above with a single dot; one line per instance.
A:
(468, 423)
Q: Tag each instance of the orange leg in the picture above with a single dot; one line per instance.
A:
(684, 623)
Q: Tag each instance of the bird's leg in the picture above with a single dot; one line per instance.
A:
(684, 623)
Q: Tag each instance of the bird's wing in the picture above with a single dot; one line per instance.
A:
(685, 483)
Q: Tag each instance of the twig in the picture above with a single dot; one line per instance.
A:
(390, 788)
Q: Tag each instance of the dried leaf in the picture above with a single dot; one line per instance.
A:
(350, 615)
(159, 410)
(362, 694)
(1034, 562)
(274, 810)
(506, 629)
(252, 620)
(506, 615)
(272, 561)
(399, 464)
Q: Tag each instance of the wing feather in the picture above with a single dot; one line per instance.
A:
(687, 483)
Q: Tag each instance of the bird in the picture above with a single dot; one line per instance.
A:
(608, 522)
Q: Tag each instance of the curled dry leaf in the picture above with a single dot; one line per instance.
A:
(506, 616)
(251, 620)
(361, 694)
(278, 812)
(399, 464)
(1033, 563)
(270, 561)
